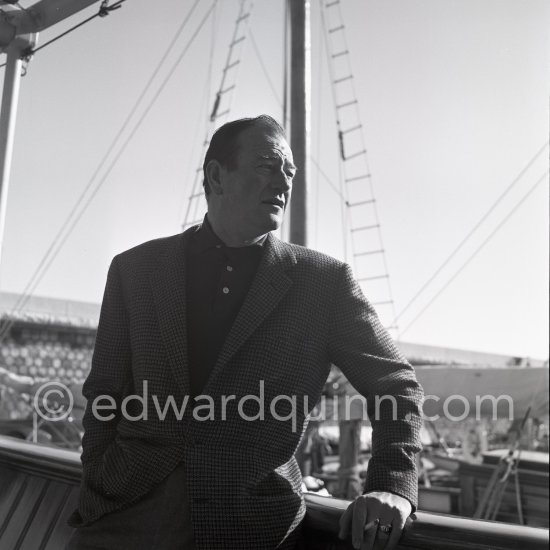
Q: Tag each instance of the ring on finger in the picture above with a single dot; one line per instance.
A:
(386, 529)
(370, 525)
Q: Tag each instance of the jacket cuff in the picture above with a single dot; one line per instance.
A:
(401, 482)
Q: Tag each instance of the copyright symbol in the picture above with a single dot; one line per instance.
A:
(53, 401)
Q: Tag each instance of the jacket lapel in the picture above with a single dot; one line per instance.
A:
(269, 286)
(168, 284)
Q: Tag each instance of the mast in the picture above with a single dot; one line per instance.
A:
(300, 121)
(10, 97)
(18, 34)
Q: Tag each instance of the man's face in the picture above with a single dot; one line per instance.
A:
(257, 190)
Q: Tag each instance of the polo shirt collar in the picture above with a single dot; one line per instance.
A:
(205, 239)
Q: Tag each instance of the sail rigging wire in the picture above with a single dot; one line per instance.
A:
(103, 11)
(197, 194)
(344, 211)
(477, 250)
(262, 65)
(50, 255)
(328, 180)
(285, 65)
(211, 57)
(338, 56)
(285, 73)
(543, 375)
(320, 36)
(191, 214)
(228, 64)
(201, 112)
(473, 230)
(282, 103)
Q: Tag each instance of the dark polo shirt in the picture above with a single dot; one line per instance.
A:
(218, 278)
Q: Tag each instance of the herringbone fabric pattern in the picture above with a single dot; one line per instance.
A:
(303, 311)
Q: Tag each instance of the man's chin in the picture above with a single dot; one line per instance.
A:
(275, 221)
(266, 224)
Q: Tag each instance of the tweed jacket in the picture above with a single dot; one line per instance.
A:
(303, 312)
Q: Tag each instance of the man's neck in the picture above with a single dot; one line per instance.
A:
(228, 236)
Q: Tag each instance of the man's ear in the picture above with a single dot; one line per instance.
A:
(214, 174)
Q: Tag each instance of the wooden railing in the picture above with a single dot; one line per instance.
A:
(38, 492)
(427, 531)
(39, 489)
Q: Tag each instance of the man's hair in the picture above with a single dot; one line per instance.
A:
(224, 146)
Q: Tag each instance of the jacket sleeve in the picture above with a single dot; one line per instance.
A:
(109, 376)
(364, 351)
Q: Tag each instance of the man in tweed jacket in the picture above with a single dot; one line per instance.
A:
(226, 477)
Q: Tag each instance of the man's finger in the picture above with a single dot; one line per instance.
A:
(369, 535)
(395, 534)
(358, 523)
(370, 525)
(345, 522)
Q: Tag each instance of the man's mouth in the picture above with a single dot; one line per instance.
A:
(276, 202)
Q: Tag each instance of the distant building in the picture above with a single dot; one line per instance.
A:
(55, 338)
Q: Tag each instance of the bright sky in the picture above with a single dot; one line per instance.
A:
(454, 104)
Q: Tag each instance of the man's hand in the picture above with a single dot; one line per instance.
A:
(375, 520)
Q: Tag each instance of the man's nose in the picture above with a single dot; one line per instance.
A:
(281, 181)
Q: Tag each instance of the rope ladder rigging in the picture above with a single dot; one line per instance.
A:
(364, 244)
(220, 109)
